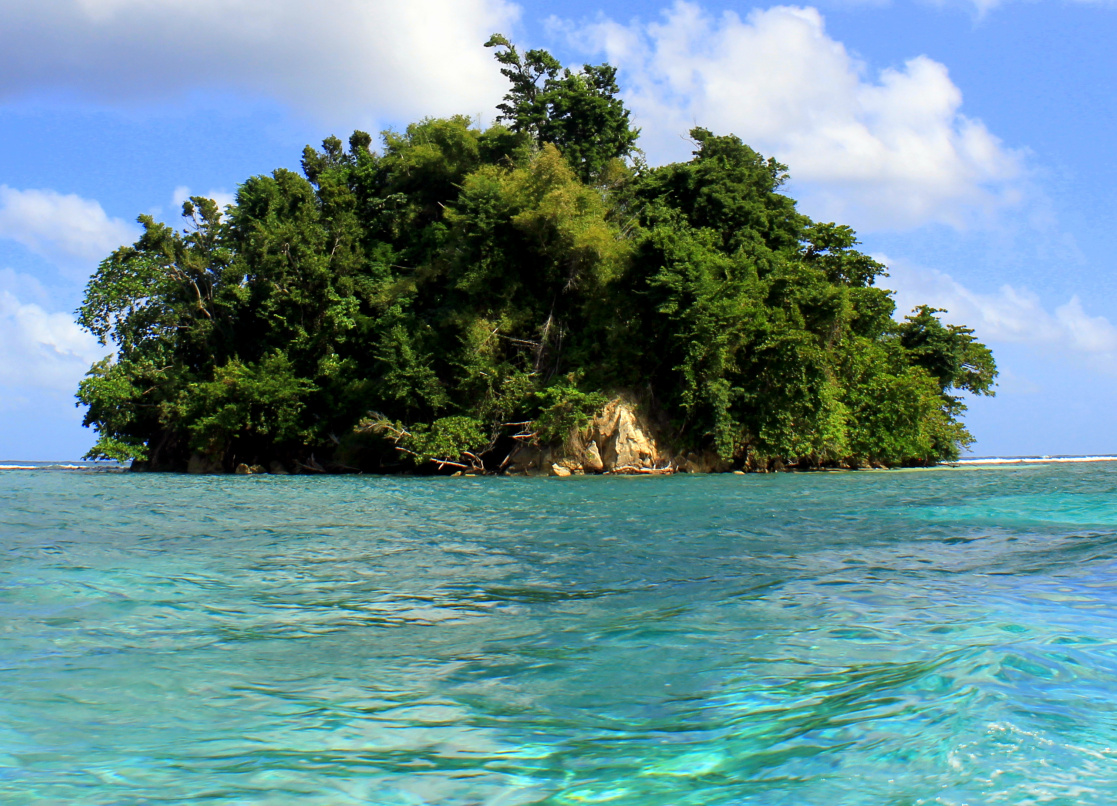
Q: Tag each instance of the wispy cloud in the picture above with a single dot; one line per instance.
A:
(73, 232)
(982, 8)
(1008, 315)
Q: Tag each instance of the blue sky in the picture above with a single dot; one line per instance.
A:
(972, 145)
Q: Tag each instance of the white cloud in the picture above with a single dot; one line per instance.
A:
(1091, 334)
(890, 150)
(25, 286)
(68, 230)
(378, 58)
(1010, 315)
(43, 357)
(182, 193)
(42, 350)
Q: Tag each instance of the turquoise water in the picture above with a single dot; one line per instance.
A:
(944, 637)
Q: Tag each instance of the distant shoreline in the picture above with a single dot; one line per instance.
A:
(1029, 460)
(977, 462)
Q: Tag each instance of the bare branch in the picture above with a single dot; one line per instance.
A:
(443, 462)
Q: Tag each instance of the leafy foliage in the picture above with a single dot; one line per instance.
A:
(579, 113)
(565, 408)
(461, 283)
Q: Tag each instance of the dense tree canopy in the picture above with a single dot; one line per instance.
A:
(423, 302)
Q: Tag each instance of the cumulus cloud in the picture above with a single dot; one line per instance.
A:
(378, 58)
(68, 230)
(40, 349)
(884, 150)
(1009, 315)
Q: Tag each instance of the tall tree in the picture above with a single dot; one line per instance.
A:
(578, 112)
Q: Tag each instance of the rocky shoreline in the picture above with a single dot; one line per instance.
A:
(621, 439)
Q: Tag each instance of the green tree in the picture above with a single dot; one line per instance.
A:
(415, 307)
(950, 353)
(580, 113)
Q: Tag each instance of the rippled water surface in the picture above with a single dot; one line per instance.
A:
(943, 637)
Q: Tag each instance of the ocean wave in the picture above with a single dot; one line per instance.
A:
(61, 466)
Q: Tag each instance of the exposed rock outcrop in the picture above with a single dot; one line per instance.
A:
(592, 463)
(618, 440)
(623, 439)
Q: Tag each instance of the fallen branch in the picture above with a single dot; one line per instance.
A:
(443, 462)
(475, 460)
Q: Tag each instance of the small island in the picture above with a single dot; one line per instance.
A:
(530, 297)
